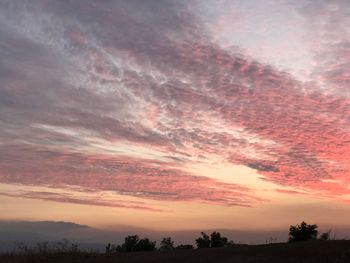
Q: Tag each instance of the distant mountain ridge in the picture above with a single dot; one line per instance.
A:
(14, 232)
(16, 225)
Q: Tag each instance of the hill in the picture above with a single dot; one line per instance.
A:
(337, 251)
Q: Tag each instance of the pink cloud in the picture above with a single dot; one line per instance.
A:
(122, 175)
(182, 96)
(66, 198)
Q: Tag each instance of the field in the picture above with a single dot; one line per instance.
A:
(337, 251)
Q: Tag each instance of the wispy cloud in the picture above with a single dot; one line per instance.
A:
(66, 198)
(142, 178)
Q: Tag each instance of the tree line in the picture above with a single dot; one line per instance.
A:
(133, 243)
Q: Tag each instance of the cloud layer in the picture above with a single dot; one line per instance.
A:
(121, 95)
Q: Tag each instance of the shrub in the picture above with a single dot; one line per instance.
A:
(203, 241)
(145, 245)
(217, 240)
(302, 232)
(166, 244)
(134, 243)
(325, 236)
(130, 243)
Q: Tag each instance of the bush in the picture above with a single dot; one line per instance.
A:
(217, 240)
(302, 232)
(134, 243)
(145, 245)
(203, 241)
(166, 244)
(130, 243)
(326, 236)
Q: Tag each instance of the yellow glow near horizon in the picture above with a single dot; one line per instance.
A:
(279, 212)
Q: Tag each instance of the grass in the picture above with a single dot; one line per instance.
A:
(335, 251)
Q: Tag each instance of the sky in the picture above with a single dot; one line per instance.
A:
(175, 115)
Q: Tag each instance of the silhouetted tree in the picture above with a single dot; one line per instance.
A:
(302, 232)
(325, 236)
(134, 243)
(130, 243)
(108, 250)
(145, 245)
(203, 241)
(217, 240)
(166, 244)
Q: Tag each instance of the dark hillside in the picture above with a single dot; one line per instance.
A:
(337, 251)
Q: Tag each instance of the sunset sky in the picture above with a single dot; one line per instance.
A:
(175, 114)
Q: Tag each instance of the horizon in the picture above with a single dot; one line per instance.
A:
(37, 232)
(173, 116)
